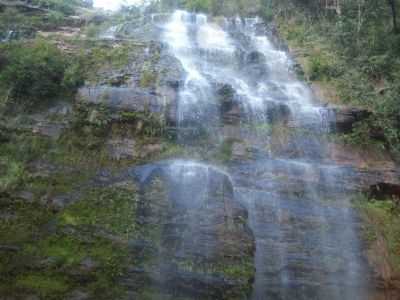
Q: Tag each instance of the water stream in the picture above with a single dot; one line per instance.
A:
(240, 87)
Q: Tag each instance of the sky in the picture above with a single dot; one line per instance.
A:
(113, 4)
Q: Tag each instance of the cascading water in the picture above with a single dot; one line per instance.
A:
(298, 201)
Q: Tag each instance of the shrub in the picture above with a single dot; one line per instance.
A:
(33, 73)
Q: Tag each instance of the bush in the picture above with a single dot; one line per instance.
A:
(33, 73)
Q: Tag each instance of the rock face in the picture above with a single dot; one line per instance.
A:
(195, 241)
(149, 83)
(347, 117)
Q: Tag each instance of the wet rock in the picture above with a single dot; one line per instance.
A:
(58, 203)
(172, 71)
(6, 216)
(150, 150)
(49, 129)
(48, 262)
(78, 295)
(226, 93)
(4, 136)
(278, 112)
(195, 230)
(88, 265)
(298, 70)
(256, 57)
(271, 31)
(347, 117)
(255, 64)
(160, 18)
(240, 151)
(9, 248)
(26, 196)
(139, 30)
(148, 84)
(229, 106)
(121, 148)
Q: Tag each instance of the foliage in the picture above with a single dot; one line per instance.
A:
(34, 72)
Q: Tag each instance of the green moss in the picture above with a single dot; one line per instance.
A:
(48, 286)
(150, 294)
(243, 270)
(171, 149)
(66, 250)
(240, 271)
(11, 174)
(15, 154)
(82, 147)
(24, 221)
(146, 124)
(114, 209)
(155, 203)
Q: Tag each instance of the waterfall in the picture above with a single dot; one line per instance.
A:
(305, 230)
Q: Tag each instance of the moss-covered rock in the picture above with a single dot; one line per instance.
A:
(85, 246)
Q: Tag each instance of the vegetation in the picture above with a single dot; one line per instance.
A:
(32, 73)
(352, 49)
